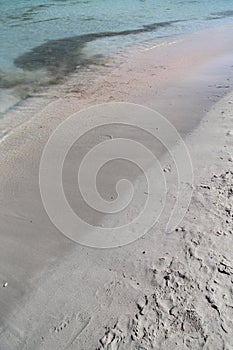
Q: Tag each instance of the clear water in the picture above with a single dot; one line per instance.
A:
(45, 39)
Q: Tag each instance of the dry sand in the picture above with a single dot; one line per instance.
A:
(162, 291)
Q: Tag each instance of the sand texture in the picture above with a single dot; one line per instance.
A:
(163, 291)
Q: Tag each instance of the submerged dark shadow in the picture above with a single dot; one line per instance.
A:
(64, 55)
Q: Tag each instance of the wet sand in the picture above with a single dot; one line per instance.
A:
(63, 295)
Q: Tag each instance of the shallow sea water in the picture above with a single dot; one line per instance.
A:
(44, 40)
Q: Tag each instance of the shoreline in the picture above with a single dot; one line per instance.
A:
(25, 110)
(41, 247)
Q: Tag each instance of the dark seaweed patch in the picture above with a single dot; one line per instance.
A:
(188, 2)
(63, 55)
(228, 13)
(220, 15)
(26, 15)
(35, 9)
(33, 22)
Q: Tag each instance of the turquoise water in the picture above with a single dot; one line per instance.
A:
(46, 39)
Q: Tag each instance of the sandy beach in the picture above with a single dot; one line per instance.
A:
(163, 291)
